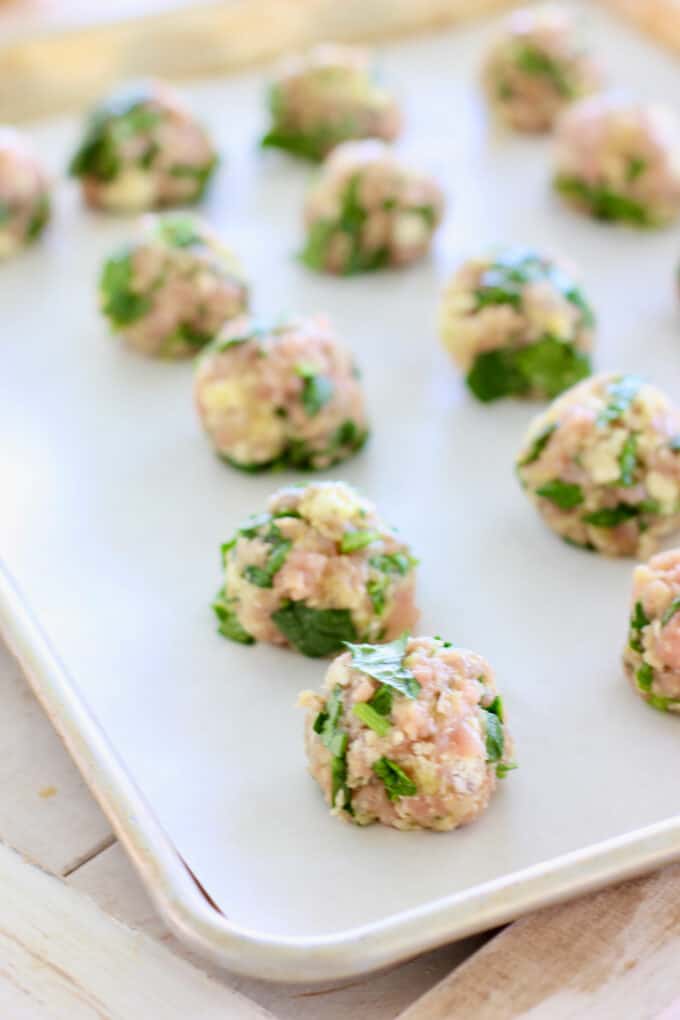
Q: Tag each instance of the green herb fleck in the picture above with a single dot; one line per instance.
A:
(635, 168)
(645, 677)
(354, 540)
(397, 782)
(381, 702)
(538, 445)
(495, 737)
(179, 231)
(317, 390)
(314, 632)
(621, 394)
(120, 303)
(327, 725)
(229, 625)
(504, 767)
(263, 577)
(385, 663)
(368, 715)
(603, 203)
(611, 517)
(670, 612)
(564, 495)
(628, 461)
(548, 366)
(537, 62)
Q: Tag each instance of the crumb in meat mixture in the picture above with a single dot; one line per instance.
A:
(411, 734)
(318, 568)
(602, 465)
(652, 654)
(143, 149)
(329, 95)
(24, 193)
(286, 395)
(368, 210)
(619, 161)
(169, 293)
(517, 324)
(537, 66)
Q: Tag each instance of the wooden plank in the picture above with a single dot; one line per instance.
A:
(610, 956)
(658, 18)
(62, 958)
(45, 810)
(45, 72)
(111, 881)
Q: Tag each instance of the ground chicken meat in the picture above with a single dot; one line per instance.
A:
(620, 160)
(537, 66)
(318, 569)
(602, 465)
(652, 655)
(410, 734)
(143, 149)
(516, 325)
(287, 395)
(24, 194)
(368, 210)
(170, 293)
(327, 96)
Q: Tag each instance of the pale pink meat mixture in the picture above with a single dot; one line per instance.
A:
(199, 286)
(582, 443)
(179, 140)
(630, 147)
(250, 396)
(438, 739)
(392, 195)
(316, 571)
(24, 190)
(467, 330)
(331, 88)
(655, 646)
(529, 100)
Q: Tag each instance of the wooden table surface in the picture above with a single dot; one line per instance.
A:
(80, 940)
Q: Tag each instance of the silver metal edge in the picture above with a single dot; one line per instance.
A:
(296, 958)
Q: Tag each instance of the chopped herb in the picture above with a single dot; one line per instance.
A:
(585, 546)
(327, 725)
(368, 715)
(537, 62)
(504, 767)
(317, 390)
(427, 212)
(125, 114)
(674, 444)
(229, 625)
(628, 461)
(495, 737)
(179, 231)
(120, 303)
(255, 333)
(670, 612)
(385, 663)
(38, 220)
(397, 783)
(355, 540)
(548, 366)
(314, 632)
(645, 677)
(538, 445)
(635, 168)
(611, 517)
(638, 621)
(201, 175)
(621, 394)
(263, 577)
(350, 224)
(603, 203)
(393, 563)
(377, 593)
(564, 495)
(496, 706)
(381, 702)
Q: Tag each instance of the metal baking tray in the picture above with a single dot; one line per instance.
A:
(114, 508)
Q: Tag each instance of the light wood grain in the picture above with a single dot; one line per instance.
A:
(42, 73)
(110, 880)
(62, 957)
(658, 18)
(610, 956)
(45, 810)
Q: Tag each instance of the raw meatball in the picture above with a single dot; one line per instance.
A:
(410, 734)
(24, 193)
(652, 655)
(286, 395)
(143, 150)
(320, 568)
(536, 67)
(325, 97)
(620, 160)
(170, 293)
(368, 210)
(602, 465)
(516, 325)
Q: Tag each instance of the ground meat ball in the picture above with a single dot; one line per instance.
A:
(602, 465)
(24, 193)
(620, 160)
(142, 149)
(327, 96)
(536, 67)
(287, 395)
(368, 210)
(170, 293)
(516, 325)
(410, 734)
(652, 655)
(319, 568)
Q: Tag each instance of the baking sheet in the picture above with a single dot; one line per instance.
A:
(113, 511)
